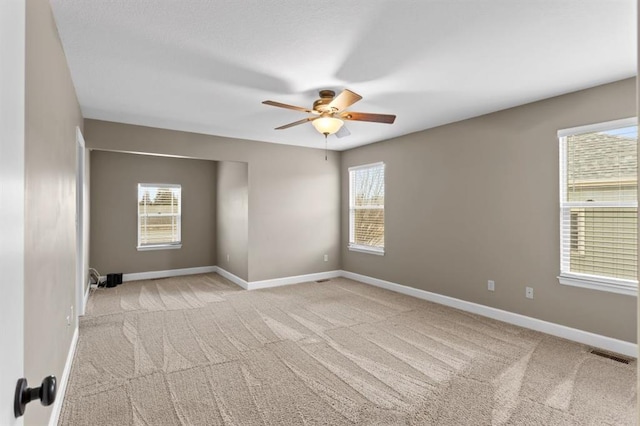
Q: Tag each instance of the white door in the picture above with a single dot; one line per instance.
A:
(12, 81)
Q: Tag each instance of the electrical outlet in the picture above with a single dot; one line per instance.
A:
(68, 320)
(227, 257)
(529, 293)
(326, 257)
(491, 285)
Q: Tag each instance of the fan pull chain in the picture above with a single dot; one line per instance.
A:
(325, 147)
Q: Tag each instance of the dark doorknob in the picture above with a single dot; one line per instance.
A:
(46, 393)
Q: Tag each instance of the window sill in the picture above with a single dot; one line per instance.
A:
(611, 285)
(160, 247)
(365, 249)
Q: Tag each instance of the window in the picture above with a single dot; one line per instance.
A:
(366, 208)
(599, 206)
(159, 216)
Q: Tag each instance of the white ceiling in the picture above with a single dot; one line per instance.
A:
(206, 66)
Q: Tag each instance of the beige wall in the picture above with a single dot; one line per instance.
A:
(478, 200)
(114, 208)
(52, 114)
(294, 194)
(233, 217)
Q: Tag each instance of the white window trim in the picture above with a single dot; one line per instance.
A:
(598, 127)
(612, 285)
(160, 247)
(379, 251)
(165, 246)
(366, 249)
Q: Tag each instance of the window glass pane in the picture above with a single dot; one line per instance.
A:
(599, 213)
(158, 214)
(369, 227)
(368, 186)
(604, 242)
(366, 196)
(603, 166)
(160, 230)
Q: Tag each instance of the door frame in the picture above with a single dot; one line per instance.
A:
(12, 191)
(82, 269)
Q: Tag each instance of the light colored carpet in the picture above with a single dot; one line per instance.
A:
(199, 350)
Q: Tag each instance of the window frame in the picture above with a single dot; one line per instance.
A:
(575, 279)
(162, 246)
(352, 208)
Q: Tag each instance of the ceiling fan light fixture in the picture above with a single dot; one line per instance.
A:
(329, 113)
(327, 125)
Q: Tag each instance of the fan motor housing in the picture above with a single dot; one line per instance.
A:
(322, 104)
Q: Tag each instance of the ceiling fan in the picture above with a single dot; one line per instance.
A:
(328, 113)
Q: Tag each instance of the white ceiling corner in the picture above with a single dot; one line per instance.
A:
(206, 66)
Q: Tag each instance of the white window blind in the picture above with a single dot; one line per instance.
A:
(366, 208)
(599, 207)
(159, 215)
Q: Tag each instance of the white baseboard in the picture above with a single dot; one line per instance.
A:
(233, 278)
(277, 282)
(576, 335)
(64, 380)
(137, 276)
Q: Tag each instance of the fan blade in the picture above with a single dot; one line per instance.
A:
(295, 123)
(343, 132)
(365, 116)
(281, 105)
(344, 100)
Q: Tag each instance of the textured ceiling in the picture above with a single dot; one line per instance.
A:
(206, 66)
